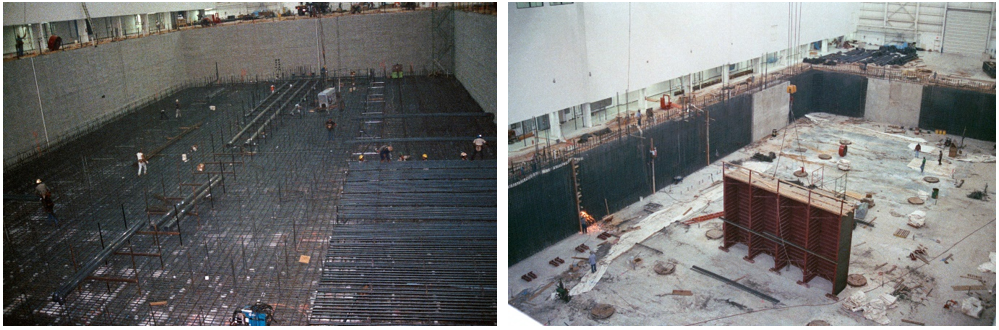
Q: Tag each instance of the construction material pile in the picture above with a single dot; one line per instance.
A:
(885, 55)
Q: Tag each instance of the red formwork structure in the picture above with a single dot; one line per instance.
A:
(807, 228)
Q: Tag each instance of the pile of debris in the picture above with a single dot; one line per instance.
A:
(875, 310)
(885, 55)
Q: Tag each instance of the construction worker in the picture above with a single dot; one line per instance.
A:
(464, 156)
(272, 89)
(479, 143)
(330, 125)
(652, 153)
(360, 158)
(918, 148)
(940, 160)
(922, 166)
(638, 115)
(593, 262)
(45, 196)
(178, 107)
(163, 114)
(19, 43)
(41, 189)
(142, 162)
(298, 108)
(385, 152)
(424, 157)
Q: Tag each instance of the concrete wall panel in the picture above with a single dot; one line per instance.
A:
(475, 56)
(893, 102)
(770, 110)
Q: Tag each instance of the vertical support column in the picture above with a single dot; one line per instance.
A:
(81, 26)
(825, 45)
(725, 74)
(587, 120)
(555, 129)
(145, 24)
(36, 29)
(642, 103)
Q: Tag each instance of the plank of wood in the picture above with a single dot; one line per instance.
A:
(968, 287)
(682, 293)
(540, 291)
(688, 210)
(581, 258)
(157, 303)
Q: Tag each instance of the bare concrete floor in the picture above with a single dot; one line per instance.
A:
(955, 224)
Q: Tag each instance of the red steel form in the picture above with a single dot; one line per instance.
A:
(775, 228)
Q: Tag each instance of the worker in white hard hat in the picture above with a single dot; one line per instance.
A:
(479, 143)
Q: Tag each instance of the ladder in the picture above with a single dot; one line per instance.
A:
(576, 190)
(90, 24)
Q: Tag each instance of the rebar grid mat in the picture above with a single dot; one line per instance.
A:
(243, 244)
(409, 274)
(240, 246)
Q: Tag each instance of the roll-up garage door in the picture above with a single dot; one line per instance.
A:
(967, 32)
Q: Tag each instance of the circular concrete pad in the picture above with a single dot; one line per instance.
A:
(856, 280)
(714, 234)
(825, 156)
(818, 323)
(931, 179)
(602, 311)
(843, 167)
(800, 174)
(801, 149)
(845, 142)
(915, 201)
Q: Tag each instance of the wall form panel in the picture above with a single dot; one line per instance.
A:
(796, 226)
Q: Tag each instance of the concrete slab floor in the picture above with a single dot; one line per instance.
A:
(955, 224)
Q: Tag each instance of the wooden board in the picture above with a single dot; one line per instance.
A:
(540, 291)
(968, 287)
(304, 259)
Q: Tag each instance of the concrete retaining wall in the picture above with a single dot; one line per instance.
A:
(893, 102)
(351, 42)
(82, 86)
(475, 56)
(770, 110)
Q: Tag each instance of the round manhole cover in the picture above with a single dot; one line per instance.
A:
(856, 280)
(825, 156)
(931, 179)
(915, 201)
(602, 311)
(818, 323)
(800, 174)
(664, 269)
(845, 142)
(801, 149)
(714, 234)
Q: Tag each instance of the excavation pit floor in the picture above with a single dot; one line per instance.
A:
(955, 225)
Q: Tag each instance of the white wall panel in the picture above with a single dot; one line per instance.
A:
(666, 40)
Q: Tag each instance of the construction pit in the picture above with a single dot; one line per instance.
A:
(956, 240)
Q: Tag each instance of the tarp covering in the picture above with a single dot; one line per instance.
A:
(542, 212)
(955, 110)
(830, 92)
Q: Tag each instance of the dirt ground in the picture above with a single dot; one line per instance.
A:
(955, 225)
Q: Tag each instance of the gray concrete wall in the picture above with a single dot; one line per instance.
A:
(770, 110)
(893, 102)
(475, 56)
(355, 42)
(83, 86)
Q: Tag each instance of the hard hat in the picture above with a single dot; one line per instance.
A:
(463, 153)
(40, 180)
(480, 135)
(424, 155)
(361, 157)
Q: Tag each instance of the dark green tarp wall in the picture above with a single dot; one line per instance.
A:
(955, 110)
(541, 213)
